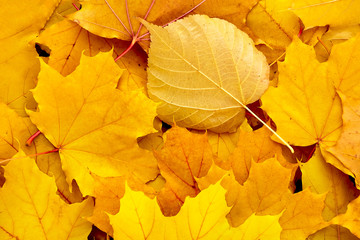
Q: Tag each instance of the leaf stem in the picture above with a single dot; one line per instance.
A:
(277, 135)
(31, 155)
(126, 50)
(31, 139)
(76, 7)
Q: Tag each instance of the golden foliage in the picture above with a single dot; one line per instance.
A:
(82, 146)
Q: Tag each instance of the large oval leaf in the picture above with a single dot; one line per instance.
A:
(204, 70)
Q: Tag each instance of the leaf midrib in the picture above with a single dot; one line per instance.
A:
(194, 67)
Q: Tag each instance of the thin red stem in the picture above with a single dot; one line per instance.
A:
(76, 7)
(146, 15)
(128, 17)
(311, 153)
(300, 31)
(31, 139)
(126, 50)
(31, 155)
(136, 38)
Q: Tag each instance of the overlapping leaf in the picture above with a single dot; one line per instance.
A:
(30, 207)
(325, 12)
(265, 192)
(184, 157)
(323, 178)
(303, 216)
(254, 146)
(204, 82)
(18, 63)
(344, 69)
(272, 24)
(304, 106)
(117, 19)
(84, 115)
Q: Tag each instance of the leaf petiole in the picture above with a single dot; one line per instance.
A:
(277, 135)
(31, 139)
(31, 155)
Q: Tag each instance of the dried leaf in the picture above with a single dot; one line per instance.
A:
(265, 192)
(321, 177)
(205, 83)
(184, 157)
(302, 216)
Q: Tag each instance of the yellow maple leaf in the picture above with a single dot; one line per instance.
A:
(107, 192)
(350, 219)
(64, 8)
(276, 27)
(184, 157)
(114, 19)
(30, 207)
(344, 67)
(321, 177)
(18, 64)
(67, 40)
(347, 148)
(13, 133)
(302, 216)
(220, 70)
(265, 192)
(31, 17)
(255, 146)
(259, 228)
(85, 115)
(304, 106)
(139, 218)
(202, 217)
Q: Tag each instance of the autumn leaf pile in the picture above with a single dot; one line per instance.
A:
(83, 144)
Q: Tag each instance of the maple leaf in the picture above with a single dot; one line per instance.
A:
(19, 66)
(255, 146)
(85, 114)
(271, 24)
(343, 68)
(321, 177)
(350, 219)
(302, 216)
(265, 192)
(107, 191)
(67, 40)
(216, 60)
(13, 132)
(29, 206)
(112, 19)
(346, 149)
(304, 106)
(259, 228)
(184, 157)
(202, 217)
(64, 8)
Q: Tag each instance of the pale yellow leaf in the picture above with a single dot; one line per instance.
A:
(204, 70)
